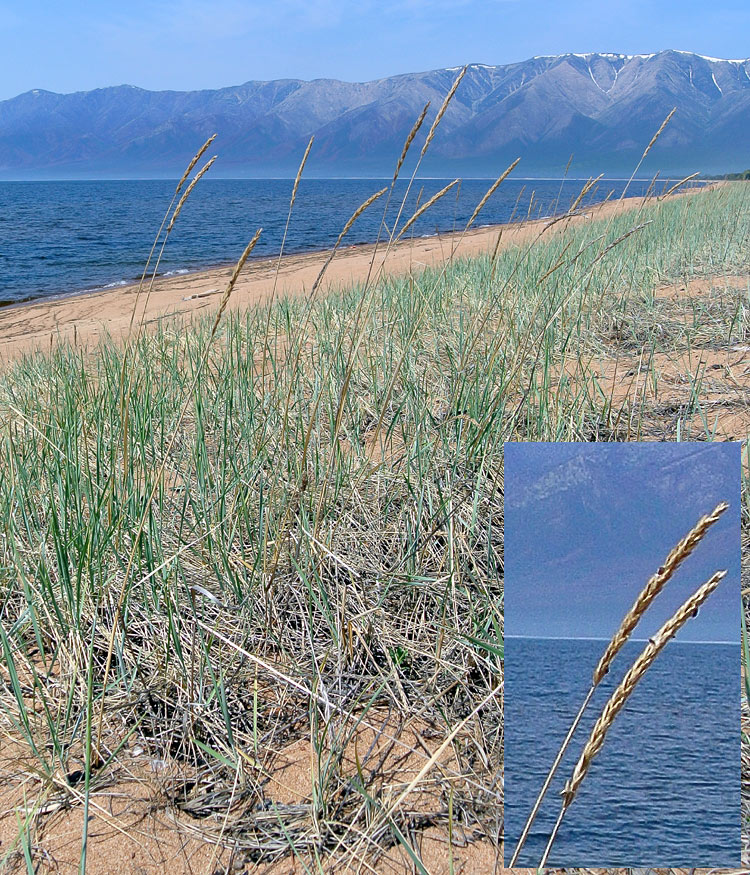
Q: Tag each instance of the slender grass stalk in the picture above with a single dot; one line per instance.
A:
(170, 221)
(430, 134)
(399, 164)
(441, 112)
(186, 194)
(550, 775)
(409, 140)
(490, 191)
(193, 161)
(672, 189)
(125, 393)
(292, 199)
(425, 206)
(344, 231)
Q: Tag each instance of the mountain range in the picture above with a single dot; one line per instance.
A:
(601, 108)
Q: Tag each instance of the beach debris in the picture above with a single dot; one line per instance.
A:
(202, 294)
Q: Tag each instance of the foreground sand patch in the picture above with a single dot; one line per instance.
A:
(697, 287)
(133, 828)
(708, 388)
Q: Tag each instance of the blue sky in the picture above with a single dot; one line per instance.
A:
(185, 44)
(587, 524)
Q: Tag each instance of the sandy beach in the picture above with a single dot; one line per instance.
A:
(83, 318)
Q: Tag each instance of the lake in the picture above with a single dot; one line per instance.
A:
(665, 788)
(65, 237)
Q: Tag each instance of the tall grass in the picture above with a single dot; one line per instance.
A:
(315, 524)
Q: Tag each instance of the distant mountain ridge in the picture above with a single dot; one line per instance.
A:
(602, 108)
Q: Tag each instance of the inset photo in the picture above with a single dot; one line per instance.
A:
(622, 655)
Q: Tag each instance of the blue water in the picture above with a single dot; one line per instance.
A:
(665, 788)
(66, 237)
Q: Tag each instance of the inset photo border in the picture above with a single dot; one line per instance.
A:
(622, 626)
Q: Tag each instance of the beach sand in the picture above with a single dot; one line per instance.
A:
(82, 319)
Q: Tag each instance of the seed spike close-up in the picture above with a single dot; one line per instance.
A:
(624, 690)
(645, 598)
(654, 586)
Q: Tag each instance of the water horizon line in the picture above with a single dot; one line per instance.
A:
(638, 640)
(217, 178)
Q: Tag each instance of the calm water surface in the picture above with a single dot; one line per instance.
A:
(665, 788)
(63, 237)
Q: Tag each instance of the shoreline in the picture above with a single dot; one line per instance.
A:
(34, 297)
(84, 317)
(126, 284)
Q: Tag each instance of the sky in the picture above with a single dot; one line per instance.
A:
(586, 525)
(191, 44)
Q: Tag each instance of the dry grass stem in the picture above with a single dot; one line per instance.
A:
(358, 212)
(355, 215)
(647, 150)
(196, 158)
(490, 191)
(628, 683)
(425, 206)
(582, 194)
(550, 775)
(407, 144)
(232, 280)
(659, 132)
(679, 184)
(441, 111)
(292, 199)
(299, 172)
(186, 194)
(654, 586)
